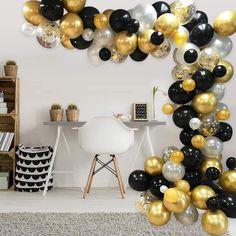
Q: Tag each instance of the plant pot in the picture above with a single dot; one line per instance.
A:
(56, 115)
(11, 70)
(72, 115)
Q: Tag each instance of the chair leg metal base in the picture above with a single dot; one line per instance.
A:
(115, 171)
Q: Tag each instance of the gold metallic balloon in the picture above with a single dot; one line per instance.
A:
(230, 71)
(225, 23)
(219, 158)
(183, 185)
(228, 181)
(157, 214)
(176, 200)
(211, 162)
(32, 14)
(201, 194)
(177, 156)
(153, 165)
(125, 43)
(181, 72)
(74, 6)
(144, 41)
(168, 108)
(180, 38)
(215, 222)
(100, 21)
(65, 41)
(205, 102)
(167, 24)
(108, 13)
(198, 141)
(71, 25)
(223, 114)
(188, 85)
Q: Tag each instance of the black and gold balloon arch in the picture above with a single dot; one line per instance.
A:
(183, 179)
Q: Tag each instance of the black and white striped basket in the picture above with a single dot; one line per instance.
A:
(32, 164)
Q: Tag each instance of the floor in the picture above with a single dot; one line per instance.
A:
(70, 200)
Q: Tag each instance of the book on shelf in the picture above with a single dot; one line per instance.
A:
(6, 139)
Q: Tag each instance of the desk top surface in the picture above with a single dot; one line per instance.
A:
(81, 123)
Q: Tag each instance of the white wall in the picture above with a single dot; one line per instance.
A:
(65, 76)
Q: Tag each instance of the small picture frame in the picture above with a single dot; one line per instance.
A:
(140, 111)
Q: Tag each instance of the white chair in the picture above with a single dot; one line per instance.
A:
(105, 135)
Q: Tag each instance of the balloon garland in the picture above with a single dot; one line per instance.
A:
(181, 180)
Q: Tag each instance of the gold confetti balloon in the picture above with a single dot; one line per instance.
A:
(157, 214)
(225, 23)
(181, 72)
(31, 12)
(209, 125)
(162, 50)
(145, 200)
(215, 222)
(116, 57)
(48, 34)
(184, 10)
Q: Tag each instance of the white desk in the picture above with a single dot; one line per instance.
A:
(143, 126)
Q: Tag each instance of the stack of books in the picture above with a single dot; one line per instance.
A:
(3, 105)
(6, 139)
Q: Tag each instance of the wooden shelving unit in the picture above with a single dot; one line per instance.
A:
(10, 122)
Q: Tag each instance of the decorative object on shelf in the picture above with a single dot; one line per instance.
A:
(11, 68)
(3, 105)
(56, 112)
(140, 111)
(122, 117)
(72, 113)
(6, 179)
(32, 164)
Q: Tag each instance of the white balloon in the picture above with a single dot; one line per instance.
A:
(146, 16)
(88, 34)
(219, 90)
(104, 37)
(180, 53)
(195, 123)
(213, 147)
(223, 45)
(29, 29)
(173, 171)
(93, 54)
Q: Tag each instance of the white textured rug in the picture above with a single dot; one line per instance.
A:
(90, 224)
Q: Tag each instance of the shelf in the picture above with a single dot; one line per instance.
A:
(6, 190)
(8, 78)
(8, 114)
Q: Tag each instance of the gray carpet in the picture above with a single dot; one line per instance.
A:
(89, 224)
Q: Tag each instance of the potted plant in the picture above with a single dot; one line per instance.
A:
(11, 69)
(72, 113)
(56, 113)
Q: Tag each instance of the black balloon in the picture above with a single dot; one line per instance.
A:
(156, 183)
(191, 56)
(178, 95)
(183, 115)
(119, 20)
(213, 203)
(193, 177)
(201, 34)
(200, 17)
(52, 9)
(133, 26)
(161, 8)
(138, 55)
(225, 132)
(204, 79)
(231, 163)
(139, 180)
(219, 71)
(192, 157)
(87, 15)
(105, 54)
(157, 38)
(80, 43)
(186, 136)
(212, 173)
(228, 203)
(212, 185)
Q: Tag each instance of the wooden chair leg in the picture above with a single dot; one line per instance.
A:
(118, 178)
(89, 177)
(118, 169)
